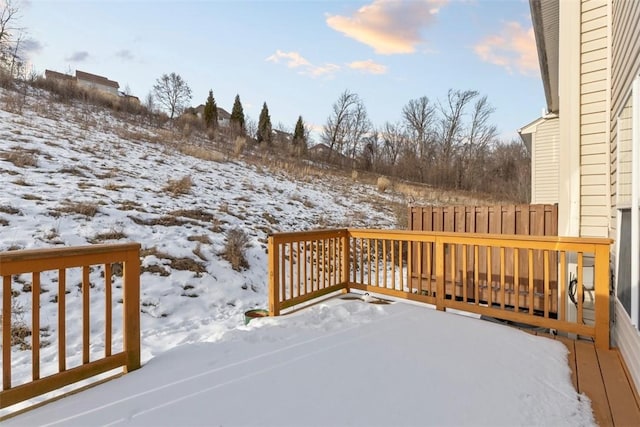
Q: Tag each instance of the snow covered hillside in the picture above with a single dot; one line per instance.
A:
(75, 175)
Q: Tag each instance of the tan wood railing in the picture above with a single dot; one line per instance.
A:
(449, 270)
(58, 260)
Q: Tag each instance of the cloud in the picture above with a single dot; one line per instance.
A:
(297, 61)
(78, 56)
(294, 59)
(31, 45)
(125, 55)
(513, 48)
(368, 66)
(389, 26)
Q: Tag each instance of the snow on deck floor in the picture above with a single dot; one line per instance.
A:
(342, 363)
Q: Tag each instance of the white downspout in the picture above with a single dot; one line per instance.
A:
(635, 198)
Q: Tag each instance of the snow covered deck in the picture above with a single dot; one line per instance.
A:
(343, 362)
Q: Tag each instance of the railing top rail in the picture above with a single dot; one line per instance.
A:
(311, 234)
(46, 253)
(487, 236)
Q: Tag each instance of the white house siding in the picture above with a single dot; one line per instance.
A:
(594, 179)
(627, 339)
(545, 159)
(625, 66)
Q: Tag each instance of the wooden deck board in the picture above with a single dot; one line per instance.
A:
(590, 382)
(624, 409)
(571, 358)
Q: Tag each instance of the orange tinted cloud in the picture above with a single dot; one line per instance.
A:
(513, 48)
(389, 26)
(368, 66)
(295, 60)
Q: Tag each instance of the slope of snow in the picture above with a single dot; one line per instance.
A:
(58, 160)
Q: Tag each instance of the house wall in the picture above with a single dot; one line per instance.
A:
(545, 162)
(625, 66)
(594, 119)
(97, 86)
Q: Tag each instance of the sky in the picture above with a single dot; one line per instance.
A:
(299, 56)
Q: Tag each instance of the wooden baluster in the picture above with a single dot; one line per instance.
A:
(465, 281)
(531, 296)
(489, 277)
(545, 300)
(35, 325)
(562, 315)
(516, 280)
(86, 287)
(580, 288)
(6, 332)
(107, 310)
(476, 274)
(502, 276)
(62, 316)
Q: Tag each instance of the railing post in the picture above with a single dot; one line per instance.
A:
(440, 256)
(131, 300)
(602, 286)
(346, 260)
(274, 287)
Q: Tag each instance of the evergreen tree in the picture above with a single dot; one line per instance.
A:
(211, 112)
(264, 125)
(298, 133)
(299, 137)
(237, 117)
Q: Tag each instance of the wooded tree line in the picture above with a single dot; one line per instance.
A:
(449, 143)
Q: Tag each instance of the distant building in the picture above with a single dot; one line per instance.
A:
(93, 81)
(223, 115)
(87, 80)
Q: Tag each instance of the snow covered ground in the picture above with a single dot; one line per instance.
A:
(74, 175)
(342, 363)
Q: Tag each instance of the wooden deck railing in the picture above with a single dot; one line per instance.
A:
(54, 263)
(458, 270)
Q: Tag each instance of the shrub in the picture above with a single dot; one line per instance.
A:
(235, 249)
(179, 186)
(383, 184)
(239, 145)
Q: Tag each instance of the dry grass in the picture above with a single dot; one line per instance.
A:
(75, 171)
(21, 157)
(166, 221)
(108, 235)
(10, 210)
(197, 251)
(197, 214)
(22, 182)
(31, 197)
(185, 264)
(180, 186)
(235, 249)
(4, 222)
(200, 238)
(239, 145)
(88, 209)
(383, 184)
(201, 153)
(20, 331)
(130, 205)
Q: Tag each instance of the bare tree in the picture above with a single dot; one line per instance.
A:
(451, 132)
(480, 137)
(347, 125)
(11, 36)
(418, 116)
(394, 142)
(172, 92)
